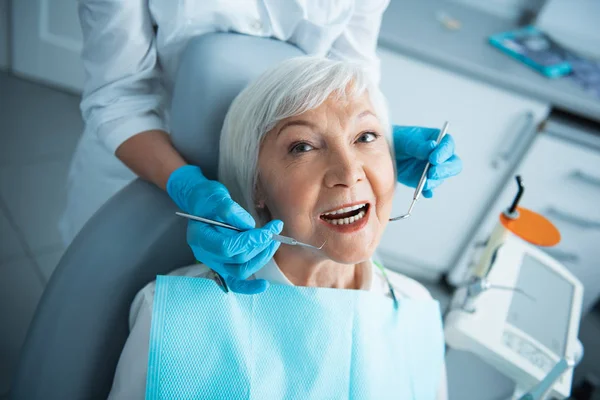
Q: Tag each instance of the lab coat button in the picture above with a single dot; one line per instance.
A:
(257, 25)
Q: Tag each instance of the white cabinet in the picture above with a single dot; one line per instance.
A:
(47, 42)
(562, 182)
(491, 127)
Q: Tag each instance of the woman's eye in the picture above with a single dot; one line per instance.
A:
(367, 137)
(301, 148)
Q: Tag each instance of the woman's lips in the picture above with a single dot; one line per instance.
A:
(349, 224)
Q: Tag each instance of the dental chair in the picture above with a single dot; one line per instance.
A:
(81, 323)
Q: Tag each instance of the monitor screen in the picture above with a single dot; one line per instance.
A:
(545, 318)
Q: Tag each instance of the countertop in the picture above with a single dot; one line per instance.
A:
(410, 27)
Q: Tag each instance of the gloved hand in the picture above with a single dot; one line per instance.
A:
(414, 146)
(234, 255)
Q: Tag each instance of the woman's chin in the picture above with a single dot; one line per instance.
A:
(349, 260)
(351, 249)
(348, 256)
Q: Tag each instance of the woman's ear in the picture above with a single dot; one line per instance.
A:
(260, 199)
(259, 195)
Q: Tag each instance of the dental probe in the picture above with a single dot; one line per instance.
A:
(279, 238)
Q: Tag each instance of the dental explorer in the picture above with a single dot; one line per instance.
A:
(423, 179)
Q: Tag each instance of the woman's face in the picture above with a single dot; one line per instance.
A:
(328, 175)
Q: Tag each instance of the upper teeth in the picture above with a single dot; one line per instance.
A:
(346, 209)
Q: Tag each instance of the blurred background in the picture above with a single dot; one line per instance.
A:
(511, 108)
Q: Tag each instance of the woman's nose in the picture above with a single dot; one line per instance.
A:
(344, 169)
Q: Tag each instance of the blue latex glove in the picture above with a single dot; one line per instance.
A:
(414, 146)
(234, 255)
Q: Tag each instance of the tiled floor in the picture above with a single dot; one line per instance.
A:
(39, 128)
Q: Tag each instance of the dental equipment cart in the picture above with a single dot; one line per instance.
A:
(520, 313)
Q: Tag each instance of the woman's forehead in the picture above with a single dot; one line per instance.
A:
(348, 106)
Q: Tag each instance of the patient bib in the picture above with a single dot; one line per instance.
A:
(290, 342)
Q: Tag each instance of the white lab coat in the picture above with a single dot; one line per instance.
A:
(130, 377)
(131, 54)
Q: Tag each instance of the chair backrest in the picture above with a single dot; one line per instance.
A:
(81, 323)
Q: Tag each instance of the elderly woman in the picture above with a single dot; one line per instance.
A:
(307, 143)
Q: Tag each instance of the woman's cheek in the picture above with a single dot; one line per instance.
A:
(288, 194)
(385, 186)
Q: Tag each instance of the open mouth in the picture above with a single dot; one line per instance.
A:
(347, 215)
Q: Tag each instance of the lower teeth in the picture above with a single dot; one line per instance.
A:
(348, 220)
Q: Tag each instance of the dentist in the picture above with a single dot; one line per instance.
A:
(131, 54)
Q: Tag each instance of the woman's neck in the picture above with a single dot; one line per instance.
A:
(305, 269)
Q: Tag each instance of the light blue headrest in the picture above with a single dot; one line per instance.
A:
(219, 66)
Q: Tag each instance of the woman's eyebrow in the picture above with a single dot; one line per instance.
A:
(299, 122)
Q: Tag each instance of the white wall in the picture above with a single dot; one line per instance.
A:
(3, 34)
(46, 42)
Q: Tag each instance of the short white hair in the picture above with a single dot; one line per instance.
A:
(290, 88)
